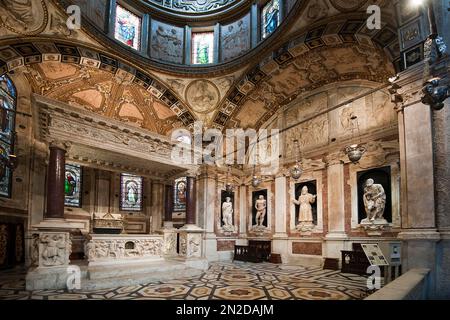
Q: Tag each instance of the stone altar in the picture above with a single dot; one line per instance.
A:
(123, 249)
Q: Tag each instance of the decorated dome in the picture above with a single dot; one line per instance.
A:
(195, 6)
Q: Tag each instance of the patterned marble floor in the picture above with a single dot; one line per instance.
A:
(227, 281)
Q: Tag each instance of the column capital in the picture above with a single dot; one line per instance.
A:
(335, 158)
(59, 144)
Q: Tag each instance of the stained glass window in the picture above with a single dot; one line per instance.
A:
(270, 17)
(202, 47)
(7, 130)
(179, 199)
(72, 186)
(128, 27)
(130, 192)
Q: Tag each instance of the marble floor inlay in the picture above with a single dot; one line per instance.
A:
(224, 280)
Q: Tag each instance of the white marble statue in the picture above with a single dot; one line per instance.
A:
(304, 201)
(227, 215)
(374, 201)
(261, 208)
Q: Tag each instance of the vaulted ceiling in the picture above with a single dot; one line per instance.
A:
(100, 92)
(329, 43)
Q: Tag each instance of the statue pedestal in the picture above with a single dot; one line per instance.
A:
(375, 227)
(191, 247)
(305, 227)
(170, 241)
(49, 260)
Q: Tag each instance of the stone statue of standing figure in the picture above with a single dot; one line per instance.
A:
(374, 202)
(304, 201)
(227, 215)
(260, 206)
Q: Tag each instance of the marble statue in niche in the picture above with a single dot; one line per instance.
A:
(374, 201)
(166, 42)
(235, 38)
(305, 216)
(259, 221)
(227, 200)
(261, 209)
(227, 213)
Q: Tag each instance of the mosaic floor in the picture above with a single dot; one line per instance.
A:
(229, 281)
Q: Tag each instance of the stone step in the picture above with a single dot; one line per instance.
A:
(132, 269)
(139, 278)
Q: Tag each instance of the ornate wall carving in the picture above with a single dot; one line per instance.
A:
(235, 38)
(53, 249)
(167, 42)
(112, 248)
(24, 17)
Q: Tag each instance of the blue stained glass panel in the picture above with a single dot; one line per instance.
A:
(8, 96)
(73, 186)
(127, 28)
(179, 199)
(270, 17)
(130, 192)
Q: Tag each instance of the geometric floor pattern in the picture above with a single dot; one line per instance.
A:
(223, 281)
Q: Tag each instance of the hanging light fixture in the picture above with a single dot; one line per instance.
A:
(256, 181)
(355, 151)
(228, 185)
(296, 171)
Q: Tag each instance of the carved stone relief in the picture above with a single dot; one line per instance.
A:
(202, 96)
(54, 249)
(167, 42)
(117, 249)
(23, 17)
(235, 38)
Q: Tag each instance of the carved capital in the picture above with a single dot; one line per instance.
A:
(58, 144)
(335, 158)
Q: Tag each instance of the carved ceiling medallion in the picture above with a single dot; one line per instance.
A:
(24, 17)
(202, 96)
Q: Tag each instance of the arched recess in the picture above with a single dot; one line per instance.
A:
(39, 52)
(340, 49)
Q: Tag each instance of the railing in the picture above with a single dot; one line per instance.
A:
(412, 285)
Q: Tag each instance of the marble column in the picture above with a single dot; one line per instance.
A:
(168, 206)
(336, 237)
(418, 211)
(280, 243)
(157, 206)
(207, 202)
(191, 199)
(55, 181)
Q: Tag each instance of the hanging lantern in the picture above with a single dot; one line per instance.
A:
(296, 171)
(256, 182)
(355, 151)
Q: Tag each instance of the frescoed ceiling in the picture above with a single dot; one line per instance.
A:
(102, 93)
(328, 43)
